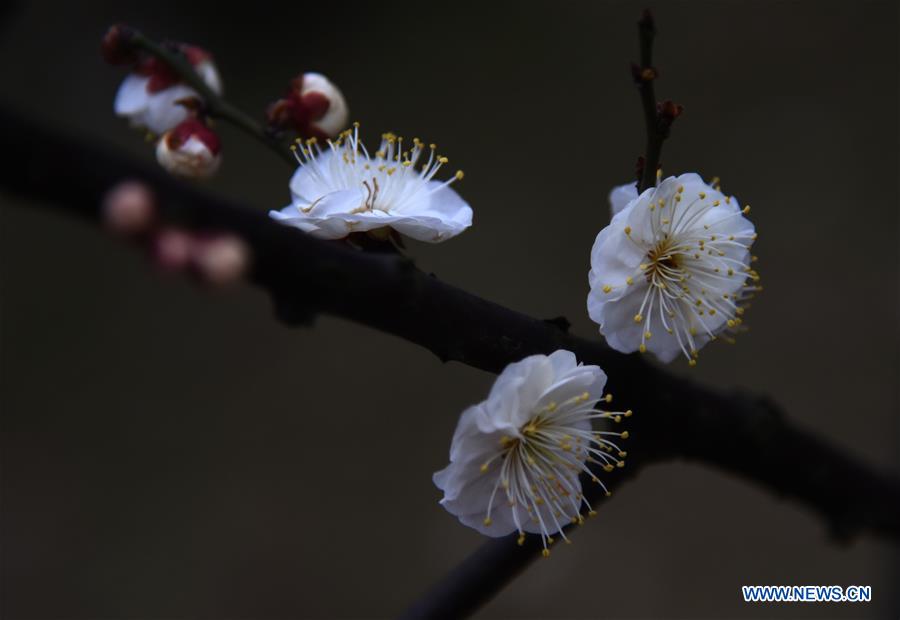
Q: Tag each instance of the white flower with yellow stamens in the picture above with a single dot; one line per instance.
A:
(672, 269)
(515, 459)
(340, 189)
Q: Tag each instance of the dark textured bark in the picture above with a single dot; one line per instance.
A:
(674, 418)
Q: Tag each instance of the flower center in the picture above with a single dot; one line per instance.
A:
(663, 260)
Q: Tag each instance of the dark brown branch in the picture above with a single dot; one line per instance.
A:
(740, 434)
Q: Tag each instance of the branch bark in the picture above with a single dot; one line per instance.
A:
(674, 418)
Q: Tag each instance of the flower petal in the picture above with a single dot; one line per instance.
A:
(620, 196)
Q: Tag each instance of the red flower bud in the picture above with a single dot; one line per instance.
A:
(190, 150)
(313, 107)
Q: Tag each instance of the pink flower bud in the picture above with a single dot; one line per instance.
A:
(189, 150)
(314, 107)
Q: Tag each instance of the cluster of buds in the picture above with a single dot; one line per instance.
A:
(154, 98)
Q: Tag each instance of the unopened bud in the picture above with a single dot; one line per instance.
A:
(190, 150)
(669, 110)
(116, 46)
(314, 107)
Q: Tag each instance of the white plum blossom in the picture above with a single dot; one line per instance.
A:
(341, 189)
(190, 150)
(672, 269)
(149, 96)
(516, 457)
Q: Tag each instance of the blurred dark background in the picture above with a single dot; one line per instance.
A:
(172, 452)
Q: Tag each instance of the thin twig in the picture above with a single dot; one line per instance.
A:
(658, 117)
(645, 76)
(674, 417)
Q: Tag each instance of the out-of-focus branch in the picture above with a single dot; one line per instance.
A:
(674, 418)
(215, 105)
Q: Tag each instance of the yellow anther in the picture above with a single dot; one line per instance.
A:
(629, 413)
(638, 318)
(628, 230)
(442, 160)
(459, 175)
(484, 467)
(356, 124)
(620, 464)
(520, 540)
(624, 434)
(607, 468)
(715, 203)
(545, 553)
(487, 521)
(432, 146)
(592, 513)
(622, 453)
(746, 210)
(642, 348)
(702, 195)
(606, 288)
(680, 188)
(648, 335)
(629, 280)
(608, 398)
(692, 362)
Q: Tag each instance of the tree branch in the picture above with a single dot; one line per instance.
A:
(674, 418)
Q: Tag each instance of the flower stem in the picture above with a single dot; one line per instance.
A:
(216, 106)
